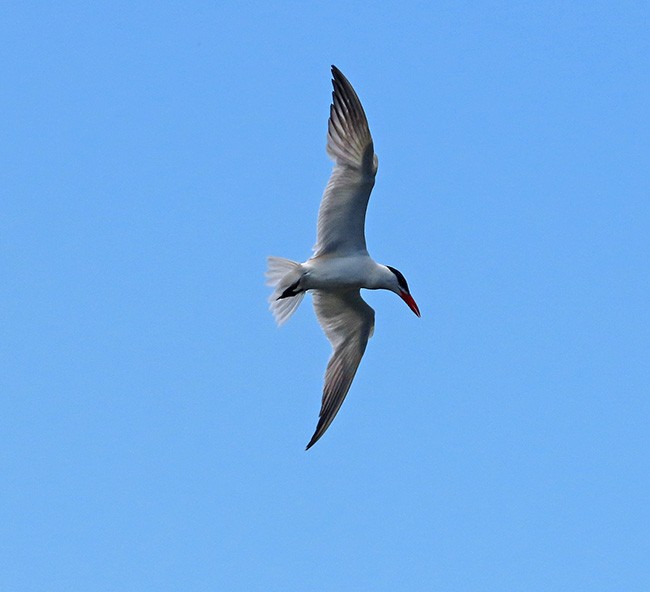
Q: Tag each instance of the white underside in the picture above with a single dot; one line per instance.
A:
(332, 274)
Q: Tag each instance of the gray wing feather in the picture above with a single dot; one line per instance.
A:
(342, 215)
(348, 323)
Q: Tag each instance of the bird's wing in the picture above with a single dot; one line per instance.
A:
(342, 214)
(348, 323)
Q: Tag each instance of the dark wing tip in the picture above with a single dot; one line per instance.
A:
(313, 441)
(353, 144)
(328, 412)
(339, 77)
(317, 435)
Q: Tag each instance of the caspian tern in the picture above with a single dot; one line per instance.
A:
(340, 265)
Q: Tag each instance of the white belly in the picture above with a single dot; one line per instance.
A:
(336, 273)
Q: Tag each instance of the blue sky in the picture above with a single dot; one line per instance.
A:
(154, 419)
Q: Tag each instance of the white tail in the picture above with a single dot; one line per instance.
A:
(280, 274)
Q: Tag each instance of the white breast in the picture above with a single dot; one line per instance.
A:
(337, 273)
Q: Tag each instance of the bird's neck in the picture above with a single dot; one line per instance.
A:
(380, 277)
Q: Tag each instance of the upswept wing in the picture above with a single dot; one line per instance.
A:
(348, 323)
(342, 214)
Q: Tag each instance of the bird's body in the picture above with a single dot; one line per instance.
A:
(341, 273)
(341, 265)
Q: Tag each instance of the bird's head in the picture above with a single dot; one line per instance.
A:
(396, 282)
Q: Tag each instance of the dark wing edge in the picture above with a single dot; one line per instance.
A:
(348, 136)
(348, 322)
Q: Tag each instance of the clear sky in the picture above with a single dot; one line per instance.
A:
(153, 418)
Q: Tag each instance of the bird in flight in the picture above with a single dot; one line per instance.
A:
(340, 265)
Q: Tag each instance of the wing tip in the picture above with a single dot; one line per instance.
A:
(339, 77)
(322, 426)
(315, 438)
(336, 73)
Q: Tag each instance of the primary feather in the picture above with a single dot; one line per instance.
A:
(348, 323)
(342, 214)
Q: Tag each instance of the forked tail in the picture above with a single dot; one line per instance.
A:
(281, 274)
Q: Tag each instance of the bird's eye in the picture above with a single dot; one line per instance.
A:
(401, 280)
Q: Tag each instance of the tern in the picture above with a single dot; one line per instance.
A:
(340, 265)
